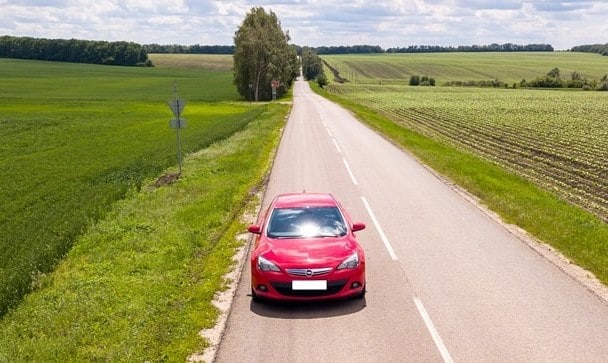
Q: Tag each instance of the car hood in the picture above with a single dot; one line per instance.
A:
(310, 252)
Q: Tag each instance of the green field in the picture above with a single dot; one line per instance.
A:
(558, 139)
(119, 268)
(445, 67)
(74, 138)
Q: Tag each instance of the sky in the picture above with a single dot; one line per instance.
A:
(396, 23)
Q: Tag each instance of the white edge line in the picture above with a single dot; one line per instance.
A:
(385, 240)
(329, 132)
(350, 172)
(447, 358)
(337, 146)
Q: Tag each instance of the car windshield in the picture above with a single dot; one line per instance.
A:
(306, 223)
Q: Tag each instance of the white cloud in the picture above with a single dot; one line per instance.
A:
(396, 23)
(490, 4)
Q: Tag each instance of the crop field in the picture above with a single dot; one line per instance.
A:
(558, 139)
(75, 138)
(445, 67)
(218, 62)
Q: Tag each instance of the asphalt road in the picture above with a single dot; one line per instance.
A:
(445, 281)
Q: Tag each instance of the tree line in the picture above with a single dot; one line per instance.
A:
(494, 47)
(592, 48)
(356, 49)
(350, 49)
(74, 50)
(189, 49)
(554, 79)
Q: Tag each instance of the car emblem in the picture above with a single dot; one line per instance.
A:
(308, 273)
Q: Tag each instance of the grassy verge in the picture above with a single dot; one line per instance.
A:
(579, 235)
(138, 285)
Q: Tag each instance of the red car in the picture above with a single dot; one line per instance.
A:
(306, 250)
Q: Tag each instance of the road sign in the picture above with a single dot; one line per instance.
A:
(177, 107)
(178, 123)
(274, 84)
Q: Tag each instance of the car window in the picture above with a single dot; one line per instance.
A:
(306, 222)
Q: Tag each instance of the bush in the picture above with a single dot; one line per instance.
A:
(545, 82)
(427, 81)
(603, 83)
(490, 83)
(414, 80)
(322, 80)
(421, 81)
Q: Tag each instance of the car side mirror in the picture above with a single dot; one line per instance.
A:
(254, 228)
(358, 226)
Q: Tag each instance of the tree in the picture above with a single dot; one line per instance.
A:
(262, 55)
(312, 65)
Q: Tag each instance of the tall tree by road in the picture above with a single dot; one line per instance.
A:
(262, 55)
(312, 65)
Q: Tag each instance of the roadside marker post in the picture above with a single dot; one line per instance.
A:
(274, 85)
(177, 107)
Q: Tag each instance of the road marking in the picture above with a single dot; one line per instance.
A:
(337, 146)
(350, 172)
(329, 132)
(447, 358)
(385, 240)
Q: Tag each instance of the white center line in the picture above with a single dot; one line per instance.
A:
(385, 240)
(350, 172)
(337, 146)
(434, 334)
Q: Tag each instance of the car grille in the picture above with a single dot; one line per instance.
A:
(333, 287)
(308, 272)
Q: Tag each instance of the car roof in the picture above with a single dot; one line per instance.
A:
(304, 200)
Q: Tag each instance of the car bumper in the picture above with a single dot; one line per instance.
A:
(336, 285)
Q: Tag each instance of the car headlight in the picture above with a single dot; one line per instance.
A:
(265, 265)
(351, 262)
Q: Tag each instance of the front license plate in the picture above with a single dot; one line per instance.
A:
(309, 285)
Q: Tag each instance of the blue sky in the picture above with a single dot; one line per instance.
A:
(397, 23)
